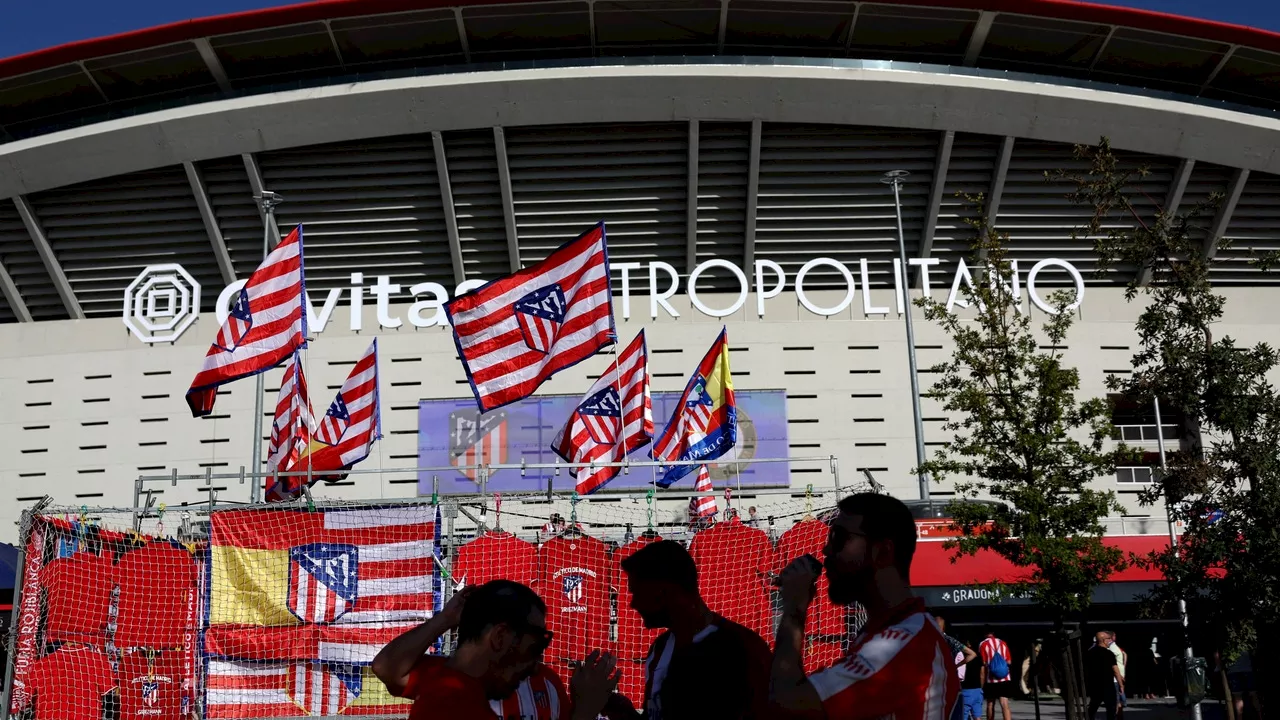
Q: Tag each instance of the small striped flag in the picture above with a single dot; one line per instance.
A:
(613, 420)
(266, 325)
(703, 505)
(516, 332)
(351, 425)
(291, 431)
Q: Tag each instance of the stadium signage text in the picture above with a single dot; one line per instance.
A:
(157, 308)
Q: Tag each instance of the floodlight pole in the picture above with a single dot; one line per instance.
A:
(268, 200)
(1173, 540)
(895, 178)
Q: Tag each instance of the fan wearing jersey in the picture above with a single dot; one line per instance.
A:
(997, 681)
(705, 666)
(497, 670)
(899, 665)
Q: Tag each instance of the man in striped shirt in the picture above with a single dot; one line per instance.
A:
(996, 688)
(899, 666)
(497, 671)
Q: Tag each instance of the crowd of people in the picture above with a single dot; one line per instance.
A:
(902, 663)
(703, 665)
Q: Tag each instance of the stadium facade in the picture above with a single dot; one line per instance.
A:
(735, 149)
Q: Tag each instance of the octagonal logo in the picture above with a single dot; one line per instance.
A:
(161, 303)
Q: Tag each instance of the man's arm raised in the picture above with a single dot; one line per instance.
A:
(395, 662)
(789, 689)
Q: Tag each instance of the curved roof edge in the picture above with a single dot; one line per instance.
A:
(332, 9)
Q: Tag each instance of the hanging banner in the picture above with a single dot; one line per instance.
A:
(27, 647)
(453, 434)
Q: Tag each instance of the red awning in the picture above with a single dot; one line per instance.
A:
(932, 565)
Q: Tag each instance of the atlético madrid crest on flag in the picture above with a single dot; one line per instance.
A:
(335, 422)
(476, 439)
(602, 414)
(541, 314)
(322, 581)
(239, 323)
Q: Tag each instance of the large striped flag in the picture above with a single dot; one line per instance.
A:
(291, 431)
(300, 602)
(516, 332)
(704, 425)
(614, 419)
(703, 505)
(353, 422)
(265, 326)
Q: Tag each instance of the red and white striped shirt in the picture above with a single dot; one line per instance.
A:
(540, 696)
(901, 669)
(988, 649)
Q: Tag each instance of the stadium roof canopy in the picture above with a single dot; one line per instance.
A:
(336, 40)
(447, 142)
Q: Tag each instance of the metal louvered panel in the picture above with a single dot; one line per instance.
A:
(1254, 232)
(372, 207)
(564, 179)
(724, 151)
(1035, 212)
(104, 232)
(973, 162)
(477, 203)
(231, 196)
(23, 263)
(821, 195)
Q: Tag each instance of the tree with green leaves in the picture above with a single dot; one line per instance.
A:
(1022, 436)
(1223, 481)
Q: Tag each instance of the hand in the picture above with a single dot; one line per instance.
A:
(619, 706)
(592, 683)
(452, 612)
(797, 582)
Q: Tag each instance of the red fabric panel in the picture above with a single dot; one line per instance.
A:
(634, 638)
(733, 565)
(574, 580)
(933, 564)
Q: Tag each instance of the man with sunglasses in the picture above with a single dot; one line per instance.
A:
(899, 665)
(496, 671)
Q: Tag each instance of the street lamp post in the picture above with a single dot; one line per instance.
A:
(895, 178)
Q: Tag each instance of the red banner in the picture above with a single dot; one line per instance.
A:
(27, 649)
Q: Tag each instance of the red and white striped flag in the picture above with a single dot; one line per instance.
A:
(614, 419)
(291, 431)
(345, 434)
(266, 324)
(516, 332)
(703, 505)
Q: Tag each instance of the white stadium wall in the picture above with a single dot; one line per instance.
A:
(85, 408)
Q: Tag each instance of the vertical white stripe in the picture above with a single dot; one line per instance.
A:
(316, 706)
(335, 694)
(304, 598)
(524, 695)
(553, 699)
(300, 685)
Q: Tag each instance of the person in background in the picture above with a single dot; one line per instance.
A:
(752, 519)
(555, 525)
(996, 688)
(971, 700)
(704, 666)
(1122, 659)
(497, 669)
(961, 654)
(1102, 677)
(894, 667)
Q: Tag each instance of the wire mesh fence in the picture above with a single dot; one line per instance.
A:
(257, 610)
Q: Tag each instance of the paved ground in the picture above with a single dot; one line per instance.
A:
(1052, 709)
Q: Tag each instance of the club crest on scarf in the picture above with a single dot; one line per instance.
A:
(322, 581)
(239, 323)
(602, 414)
(541, 314)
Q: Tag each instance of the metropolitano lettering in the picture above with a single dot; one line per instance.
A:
(664, 282)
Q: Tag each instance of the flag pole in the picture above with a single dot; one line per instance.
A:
(268, 201)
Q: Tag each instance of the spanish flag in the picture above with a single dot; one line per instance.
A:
(704, 425)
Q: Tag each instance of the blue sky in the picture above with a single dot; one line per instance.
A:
(34, 24)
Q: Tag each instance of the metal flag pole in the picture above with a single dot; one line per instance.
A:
(1173, 539)
(268, 201)
(894, 178)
